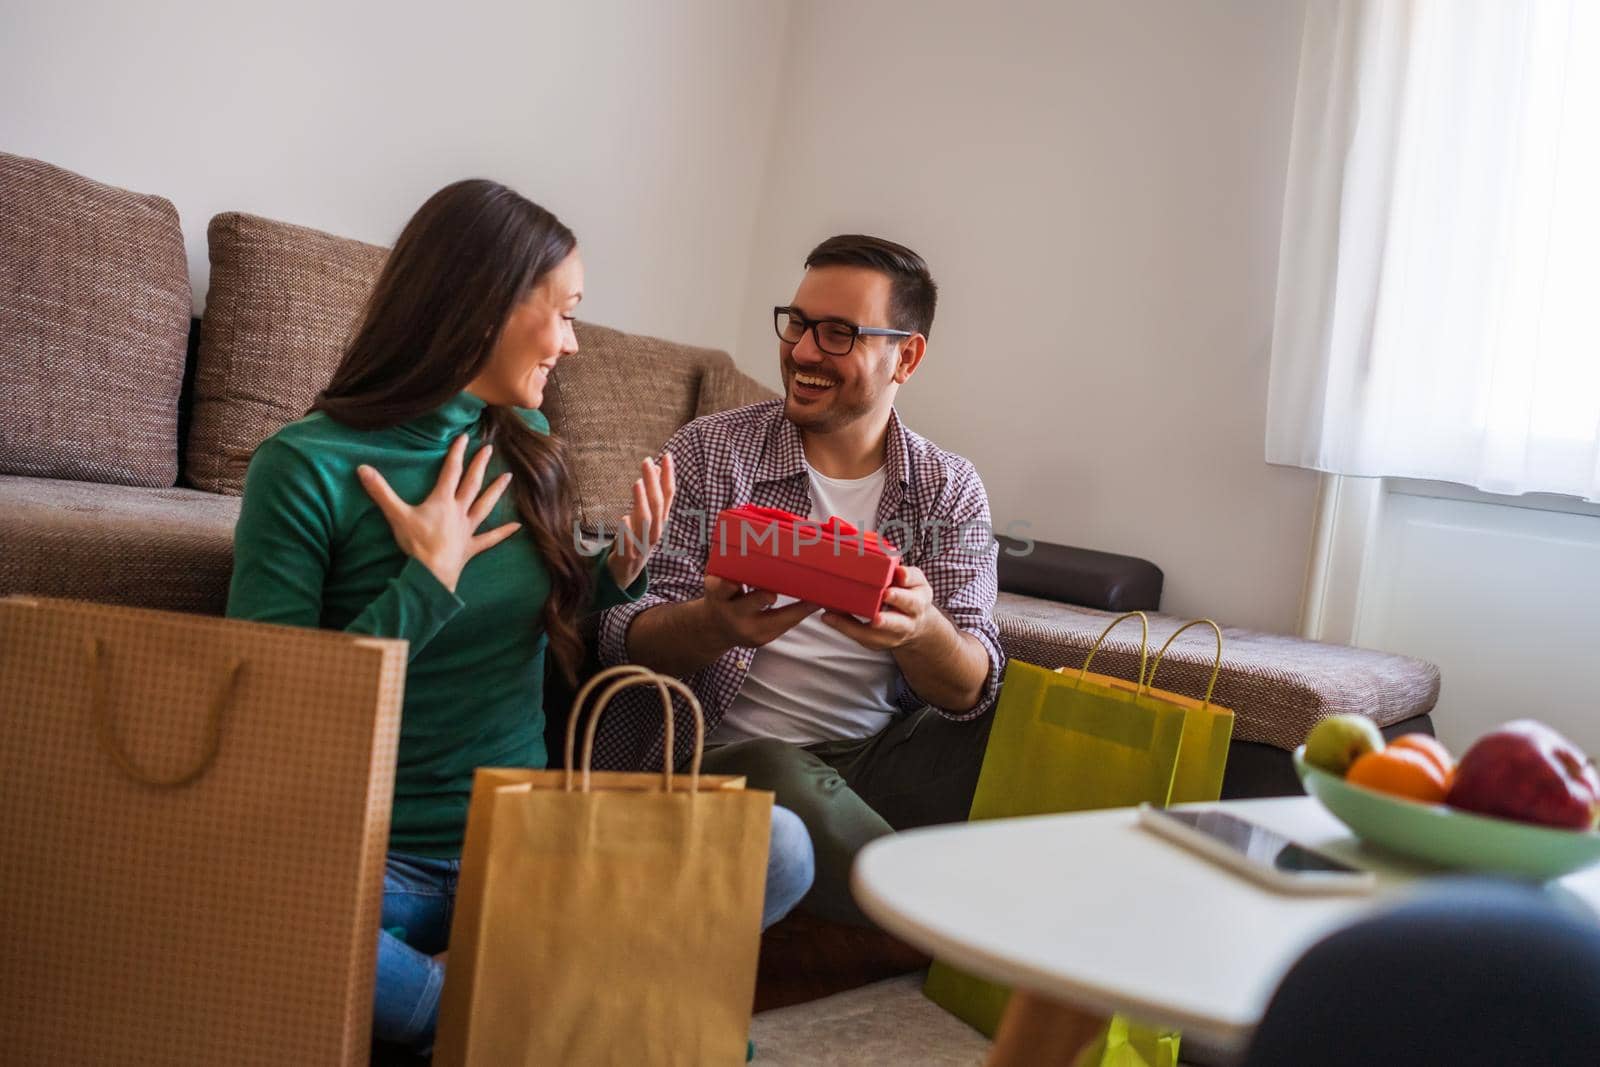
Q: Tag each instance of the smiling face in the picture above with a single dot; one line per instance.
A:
(535, 336)
(823, 393)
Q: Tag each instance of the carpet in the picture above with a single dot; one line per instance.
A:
(888, 1022)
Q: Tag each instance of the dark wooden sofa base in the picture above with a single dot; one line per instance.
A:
(1258, 770)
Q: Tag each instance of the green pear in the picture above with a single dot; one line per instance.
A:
(1339, 740)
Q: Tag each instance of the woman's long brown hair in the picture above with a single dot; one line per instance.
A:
(461, 264)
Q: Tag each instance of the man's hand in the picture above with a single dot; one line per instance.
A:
(944, 665)
(907, 614)
(749, 620)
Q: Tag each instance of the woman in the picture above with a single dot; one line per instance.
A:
(384, 512)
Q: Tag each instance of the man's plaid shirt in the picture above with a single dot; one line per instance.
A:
(934, 511)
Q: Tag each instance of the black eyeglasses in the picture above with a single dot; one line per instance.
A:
(833, 336)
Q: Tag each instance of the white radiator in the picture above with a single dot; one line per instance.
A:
(1504, 597)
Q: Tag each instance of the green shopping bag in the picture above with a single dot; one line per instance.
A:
(1065, 743)
(1074, 741)
(1127, 1045)
(1207, 727)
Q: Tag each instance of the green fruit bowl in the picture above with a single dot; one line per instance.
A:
(1446, 836)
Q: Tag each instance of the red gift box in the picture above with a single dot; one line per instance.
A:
(831, 563)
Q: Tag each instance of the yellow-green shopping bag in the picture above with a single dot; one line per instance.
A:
(1207, 727)
(1074, 741)
(1126, 1044)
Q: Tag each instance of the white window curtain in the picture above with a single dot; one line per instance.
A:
(1438, 307)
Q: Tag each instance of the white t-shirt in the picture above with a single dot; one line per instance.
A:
(814, 683)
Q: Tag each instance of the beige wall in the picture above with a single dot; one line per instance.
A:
(1098, 188)
(644, 125)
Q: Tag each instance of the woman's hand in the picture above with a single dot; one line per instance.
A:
(640, 530)
(440, 533)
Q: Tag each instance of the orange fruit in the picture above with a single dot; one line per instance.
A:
(1430, 747)
(1400, 772)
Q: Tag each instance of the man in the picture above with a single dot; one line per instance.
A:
(860, 727)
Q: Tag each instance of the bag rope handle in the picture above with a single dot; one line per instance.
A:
(578, 708)
(1144, 643)
(100, 711)
(627, 675)
(665, 686)
(1216, 667)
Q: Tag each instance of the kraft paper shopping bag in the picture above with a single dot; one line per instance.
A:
(193, 836)
(604, 917)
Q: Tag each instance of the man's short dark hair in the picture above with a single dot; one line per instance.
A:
(912, 292)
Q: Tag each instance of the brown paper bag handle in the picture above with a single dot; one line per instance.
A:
(1216, 668)
(627, 675)
(100, 710)
(665, 686)
(578, 706)
(1144, 643)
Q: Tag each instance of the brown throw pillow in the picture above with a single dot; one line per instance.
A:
(94, 327)
(283, 303)
(614, 403)
(725, 387)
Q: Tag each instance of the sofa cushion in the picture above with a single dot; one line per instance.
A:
(1278, 686)
(94, 326)
(147, 548)
(725, 387)
(285, 299)
(283, 302)
(619, 398)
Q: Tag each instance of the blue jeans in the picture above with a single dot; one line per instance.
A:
(419, 897)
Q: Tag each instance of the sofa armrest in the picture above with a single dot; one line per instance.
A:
(1102, 580)
(1277, 686)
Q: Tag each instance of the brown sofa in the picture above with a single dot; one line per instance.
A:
(124, 436)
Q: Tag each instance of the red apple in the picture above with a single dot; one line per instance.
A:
(1528, 772)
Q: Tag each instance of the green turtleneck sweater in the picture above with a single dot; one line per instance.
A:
(312, 549)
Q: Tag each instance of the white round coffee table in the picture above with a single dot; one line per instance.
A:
(1090, 911)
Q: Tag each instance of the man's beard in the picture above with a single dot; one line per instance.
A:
(840, 410)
